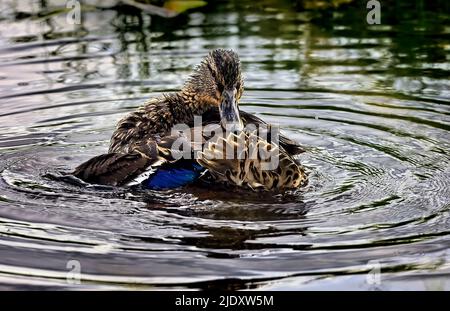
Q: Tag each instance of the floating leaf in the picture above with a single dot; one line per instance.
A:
(180, 6)
(324, 4)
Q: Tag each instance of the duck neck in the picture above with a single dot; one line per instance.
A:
(192, 103)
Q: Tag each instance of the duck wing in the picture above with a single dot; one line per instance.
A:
(246, 160)
(113, 169)
(264, 129)
(136, 166)
(290, 146)
(119, 168)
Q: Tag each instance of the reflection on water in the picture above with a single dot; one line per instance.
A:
(369, 103)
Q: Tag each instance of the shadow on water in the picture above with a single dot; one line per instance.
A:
(370, 103)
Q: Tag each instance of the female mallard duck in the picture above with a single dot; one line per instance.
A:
(141, 148)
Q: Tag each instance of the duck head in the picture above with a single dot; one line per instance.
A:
(217, 82)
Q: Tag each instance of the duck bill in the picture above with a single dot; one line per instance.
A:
(229, 112)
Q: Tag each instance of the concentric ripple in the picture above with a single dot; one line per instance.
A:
(372, 115)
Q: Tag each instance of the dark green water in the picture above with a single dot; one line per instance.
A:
(371, 105)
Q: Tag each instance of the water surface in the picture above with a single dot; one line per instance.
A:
(369, 103)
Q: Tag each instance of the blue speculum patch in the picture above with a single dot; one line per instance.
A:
(174, 175)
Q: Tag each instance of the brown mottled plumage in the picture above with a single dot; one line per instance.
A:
(250, 165)
(142, 138)
(200, 93)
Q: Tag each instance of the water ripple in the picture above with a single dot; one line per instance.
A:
(371, 111)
